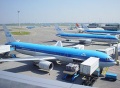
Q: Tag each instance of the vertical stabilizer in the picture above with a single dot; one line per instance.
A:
(84, 27)
(8, 35)
(77, 25)
(58, 29)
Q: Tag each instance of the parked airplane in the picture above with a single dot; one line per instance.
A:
(86, 37)
(82, 29)
(30, 27)
(79, 28)
(42, 53)
(86, 29)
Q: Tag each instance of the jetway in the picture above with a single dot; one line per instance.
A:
(110, 51)
(4, 48)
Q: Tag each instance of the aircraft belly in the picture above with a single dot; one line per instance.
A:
(26, 52)
(93, 39)
(71, 38)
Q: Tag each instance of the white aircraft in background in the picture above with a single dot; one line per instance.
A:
(79, 28)
(82, 28)
(43, 53)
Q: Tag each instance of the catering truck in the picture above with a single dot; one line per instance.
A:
(87, 69)
(89, 66)
(110, 51)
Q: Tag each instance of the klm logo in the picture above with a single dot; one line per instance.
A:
(8, 34)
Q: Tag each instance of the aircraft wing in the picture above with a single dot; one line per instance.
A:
(28, 58)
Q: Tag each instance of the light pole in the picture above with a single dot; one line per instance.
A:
(18, 19)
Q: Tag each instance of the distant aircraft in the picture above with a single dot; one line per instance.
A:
(86, 29)
(86, 37)
(42, 53)
(30, 27)
(82, 28)
(79, 28)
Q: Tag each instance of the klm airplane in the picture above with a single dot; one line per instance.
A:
(86, 29)
(82, 36)
(44, 53)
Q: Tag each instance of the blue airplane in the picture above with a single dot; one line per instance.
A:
(86, 29)
(30, 27)
(84, 36)
(43, 53)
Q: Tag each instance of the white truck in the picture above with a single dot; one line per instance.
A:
(110, 51)
(89, 66)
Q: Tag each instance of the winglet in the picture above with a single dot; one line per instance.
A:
(8, 35)
(59, 43)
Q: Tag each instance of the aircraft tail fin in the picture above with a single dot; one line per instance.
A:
(8, 35)
(58, 29)
(77, 25)
(85, 27)
(59, 43)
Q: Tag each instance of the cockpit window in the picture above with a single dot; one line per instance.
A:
(108, 59)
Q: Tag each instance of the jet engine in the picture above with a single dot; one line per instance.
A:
(46, 65)
(86, 42)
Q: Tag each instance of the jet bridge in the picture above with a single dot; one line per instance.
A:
(4, 48)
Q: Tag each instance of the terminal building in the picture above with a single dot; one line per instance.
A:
(112, 27)
(107, 26)
(93, 25)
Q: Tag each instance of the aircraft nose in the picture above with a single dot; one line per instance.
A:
(114, 63)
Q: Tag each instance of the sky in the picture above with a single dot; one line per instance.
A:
(57, 11)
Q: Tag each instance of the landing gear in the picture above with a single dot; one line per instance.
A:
(67, 40)
(101, 69)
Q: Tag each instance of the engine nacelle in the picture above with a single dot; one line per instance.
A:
(45, 65)
(65, 60)
(86, 42)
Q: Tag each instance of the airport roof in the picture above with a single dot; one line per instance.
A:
(15, 80)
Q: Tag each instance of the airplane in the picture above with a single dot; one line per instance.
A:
(30, 27)
(44, 53)
(79, 28)
(86, 37)
(82, 29)
(86, 29)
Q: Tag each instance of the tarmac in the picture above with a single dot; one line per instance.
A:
(47, 35)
